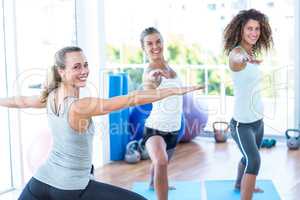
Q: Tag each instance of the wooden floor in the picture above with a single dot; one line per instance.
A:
(202, 159)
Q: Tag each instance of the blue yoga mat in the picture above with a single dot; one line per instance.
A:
(184, 190)
(223, 189)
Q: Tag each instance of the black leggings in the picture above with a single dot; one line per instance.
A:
(170, 138)
(248, 137)
(37, 190)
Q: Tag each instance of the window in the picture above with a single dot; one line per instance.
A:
(279, 67)
(42, 27)
(193, 45)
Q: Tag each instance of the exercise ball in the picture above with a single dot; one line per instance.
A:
(195, 116)
(181, 130)
(137, 118)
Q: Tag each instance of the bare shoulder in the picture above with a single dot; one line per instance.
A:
(81, 112)
(237, 59)
(84, 106)
(78, 110)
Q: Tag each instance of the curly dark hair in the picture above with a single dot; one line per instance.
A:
(233, 31)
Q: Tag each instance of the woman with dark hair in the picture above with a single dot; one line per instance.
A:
(66, 173)
(247, 34)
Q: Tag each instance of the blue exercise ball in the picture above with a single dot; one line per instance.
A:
(137, 118)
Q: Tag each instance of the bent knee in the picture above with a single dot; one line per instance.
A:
(253, 166)
(160, 160)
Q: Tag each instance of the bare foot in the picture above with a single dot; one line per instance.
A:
(256, 190)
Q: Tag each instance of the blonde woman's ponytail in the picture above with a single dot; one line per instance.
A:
(52, 82)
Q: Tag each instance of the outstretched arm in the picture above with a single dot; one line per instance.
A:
(88, 107)
(22, 102)
(238, 59)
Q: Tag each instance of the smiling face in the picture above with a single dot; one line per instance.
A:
(251, 32)
(153, 46)
(76, 69)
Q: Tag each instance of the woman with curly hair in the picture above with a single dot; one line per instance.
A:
(246, 36)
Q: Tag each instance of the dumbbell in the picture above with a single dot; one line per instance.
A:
(268, 143)
(220, 132)
(132, 154)
(293, 142)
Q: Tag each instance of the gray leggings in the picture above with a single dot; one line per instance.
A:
(248, 137)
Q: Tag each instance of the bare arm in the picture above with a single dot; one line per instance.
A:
(88, 107)
(238, 59)
(22, 102)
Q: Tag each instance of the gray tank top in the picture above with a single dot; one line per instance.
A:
(69, 163)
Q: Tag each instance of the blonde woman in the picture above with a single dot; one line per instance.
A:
(164, 122)
(66, 173)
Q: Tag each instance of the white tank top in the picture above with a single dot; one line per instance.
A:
(166, 113)
(248, 106)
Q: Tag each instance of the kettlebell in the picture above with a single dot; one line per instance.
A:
(293, 142)
(132, 154)
(143, 150)
(221, 133)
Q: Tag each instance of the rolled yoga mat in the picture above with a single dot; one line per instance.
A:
(119, 134)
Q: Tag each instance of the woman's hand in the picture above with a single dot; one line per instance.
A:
(157, 73)
(184, 90)
(251, 59)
